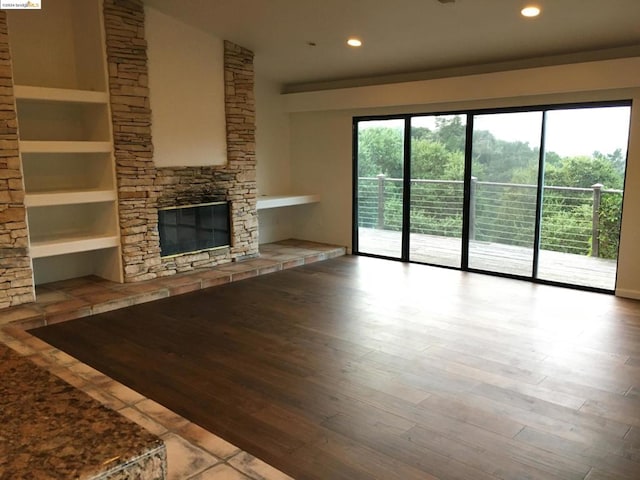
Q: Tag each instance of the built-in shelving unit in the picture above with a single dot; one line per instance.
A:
(64, 245)
(277, 201)
(65, 141)
(66, 95)
(48, 146)
(69, 197)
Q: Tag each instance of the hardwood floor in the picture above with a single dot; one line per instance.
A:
(359, 368)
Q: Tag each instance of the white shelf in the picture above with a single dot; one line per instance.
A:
(66, 149)
(62, 246)
(67, 197)
(46, 146)
(276, 201)
(45, 94)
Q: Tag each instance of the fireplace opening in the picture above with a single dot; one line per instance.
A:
(193, 228)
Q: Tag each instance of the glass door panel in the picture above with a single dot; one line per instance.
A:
(503, 192)
(380, 186)
(585, 158)
(437, 189)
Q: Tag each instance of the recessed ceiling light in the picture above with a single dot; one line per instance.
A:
(530, 11)
(354, 42)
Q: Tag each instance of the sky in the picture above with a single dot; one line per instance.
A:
(570, 132)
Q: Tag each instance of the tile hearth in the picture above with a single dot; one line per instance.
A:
(192, 452)
(68, 299)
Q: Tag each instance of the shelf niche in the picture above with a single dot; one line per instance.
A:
(57, 45)
(60, 223)
(102, 263)
(60, 121)
(56, 172)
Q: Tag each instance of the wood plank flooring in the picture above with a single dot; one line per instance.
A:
(360, 368)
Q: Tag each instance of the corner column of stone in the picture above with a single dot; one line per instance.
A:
(241, 148)
(16, 275)
(133, 148)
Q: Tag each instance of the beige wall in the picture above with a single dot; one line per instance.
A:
(186, 92)
(321, 136)
(273, 160)
(272, 139)
(321, 163)
(628, 284)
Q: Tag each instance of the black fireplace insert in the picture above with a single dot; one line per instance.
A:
(193, 228)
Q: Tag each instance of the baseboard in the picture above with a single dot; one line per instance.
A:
(626, 293)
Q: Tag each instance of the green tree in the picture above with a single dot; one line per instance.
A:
(438, 154)
(499, 159)
(617, 160)
(433, 161)
(422, 133)
(380, 151)
(451, 132)
(552, 158)
(504, 213)
(583, 171)
(610, 217)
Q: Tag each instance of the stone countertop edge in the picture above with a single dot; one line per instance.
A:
(53, 430)
(149, 466)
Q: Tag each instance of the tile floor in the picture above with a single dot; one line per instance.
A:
(68, 299)
(193, 453)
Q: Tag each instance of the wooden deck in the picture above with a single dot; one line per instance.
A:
(554, 266)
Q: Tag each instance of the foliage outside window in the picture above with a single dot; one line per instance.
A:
(438, 154)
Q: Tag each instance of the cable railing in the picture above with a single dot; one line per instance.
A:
(584, 221)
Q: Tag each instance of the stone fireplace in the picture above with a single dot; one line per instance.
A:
(143, 188)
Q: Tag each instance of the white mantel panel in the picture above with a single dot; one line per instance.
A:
(186, 92)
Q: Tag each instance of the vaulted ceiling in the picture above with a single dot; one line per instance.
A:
(300, 42)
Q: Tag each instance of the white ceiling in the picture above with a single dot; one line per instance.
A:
(405, 36)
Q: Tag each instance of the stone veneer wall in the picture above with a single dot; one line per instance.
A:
(142, 187)
(16, 276)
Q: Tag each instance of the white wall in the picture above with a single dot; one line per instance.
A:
(273, 159)
(321, 136)
(68, 62)
(628, 283)
(272, 139)
(186, 92)
(321, 163)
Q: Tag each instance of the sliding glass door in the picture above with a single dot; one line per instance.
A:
(531, 193)
(503, 192)
(380, 186)
(437, 189)
(586, 151)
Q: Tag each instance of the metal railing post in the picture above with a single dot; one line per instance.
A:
(595, 221)
(472, 208)
(381, 177)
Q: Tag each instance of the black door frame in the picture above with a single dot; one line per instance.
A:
(406, 183)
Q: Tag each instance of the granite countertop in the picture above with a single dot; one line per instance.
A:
(51, 430)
